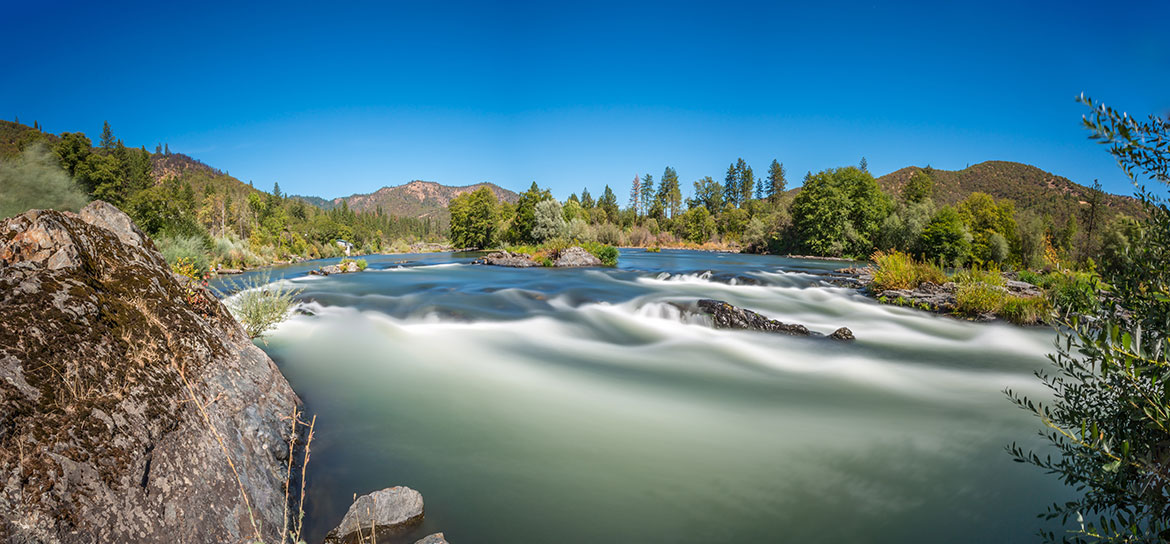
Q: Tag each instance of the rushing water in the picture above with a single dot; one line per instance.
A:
(546, 405)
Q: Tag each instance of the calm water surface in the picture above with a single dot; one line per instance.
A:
(579, 406)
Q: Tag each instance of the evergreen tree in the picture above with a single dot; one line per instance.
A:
(158, 149)
(167, 151)
(776, 182)
(276, 190)
(647, 196)
(107, 142)
(586, 199)
(919, 188)
(36, 125)
(863, 165)
(731, 186)
(608, 204)
(669, 193)
(635, 193)
(708, 194)
(747, 180)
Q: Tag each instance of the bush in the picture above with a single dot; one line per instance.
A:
(1024, 310)
(188, 248)
(361, 263)
(975, 298)
(606, 253)
(897, 270)
(990, 276)
(260, 305)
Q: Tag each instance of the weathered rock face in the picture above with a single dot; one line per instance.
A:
(103, 355)
(575, 257)
(727, 316)
(384, 513)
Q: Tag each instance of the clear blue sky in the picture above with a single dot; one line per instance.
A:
(330, 100)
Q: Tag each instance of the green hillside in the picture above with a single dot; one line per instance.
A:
(1033, 190)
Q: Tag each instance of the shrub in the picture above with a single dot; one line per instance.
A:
(361, 263)
(974, 298)
(606, 253)
(897, 270)
(990, 276)
(259, 305)
(1024, 310)
(190, 249)
(1072, 292)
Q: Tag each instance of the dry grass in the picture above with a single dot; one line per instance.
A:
(897, 270)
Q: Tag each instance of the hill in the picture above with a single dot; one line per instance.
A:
(1032, 189)
(15, 137)
(421, 199)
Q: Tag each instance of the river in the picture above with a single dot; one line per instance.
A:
(559, 405)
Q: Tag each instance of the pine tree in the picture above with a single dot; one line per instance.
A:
(864, 165)
(776, 181)
(166, 149)
(635, 194)
(586, 199)
(158, 149)
(276, 190)
(36, 125)
(731, 186)
(107, 141)
(746, 181)
(647, 196)
(669, 193)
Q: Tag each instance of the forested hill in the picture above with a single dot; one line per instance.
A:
(415, 199)
(1031, 188)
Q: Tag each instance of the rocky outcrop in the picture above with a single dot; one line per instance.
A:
(576, 257)
(573, 257)
(927, 296)
(726, 316)
(507, 258)
(339, 268)
(379, 516)
(129, 403)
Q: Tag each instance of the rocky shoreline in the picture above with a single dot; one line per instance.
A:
(573, 257)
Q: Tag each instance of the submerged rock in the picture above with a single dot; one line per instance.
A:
(576, 256)
(379, 515)
(102, 352)
(436, 538)
(842, 334)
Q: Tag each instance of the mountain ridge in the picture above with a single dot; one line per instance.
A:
(418, 198)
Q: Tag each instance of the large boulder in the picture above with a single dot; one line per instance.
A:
(132, 408)
(436, 538)
(379, 516)
(576, 256)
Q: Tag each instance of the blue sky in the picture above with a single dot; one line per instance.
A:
(332, 100)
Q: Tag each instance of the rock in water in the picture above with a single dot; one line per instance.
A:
(507, 258)
(99, 438)
(384, 513)
(436, 538)
(842, 334)
(727, 316)
(576, 256)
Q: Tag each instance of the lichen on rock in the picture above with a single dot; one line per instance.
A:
(102, 360)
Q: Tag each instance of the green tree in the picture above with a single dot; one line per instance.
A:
(863, 165)
(919, 188)
(733, 221)
(608, 204)
(708, 194)
(731, 185)
(520, 232)
(72, 150)
(473, 219)
(107, 142)
(840, 212)
(746, 182)
(698, 224)
(776, 180)
(586, 199)
(669, 192)
(985, 217)
(945, 238)
(647, 196)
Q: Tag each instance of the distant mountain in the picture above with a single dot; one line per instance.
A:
(1032, 189)
(415, 199)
